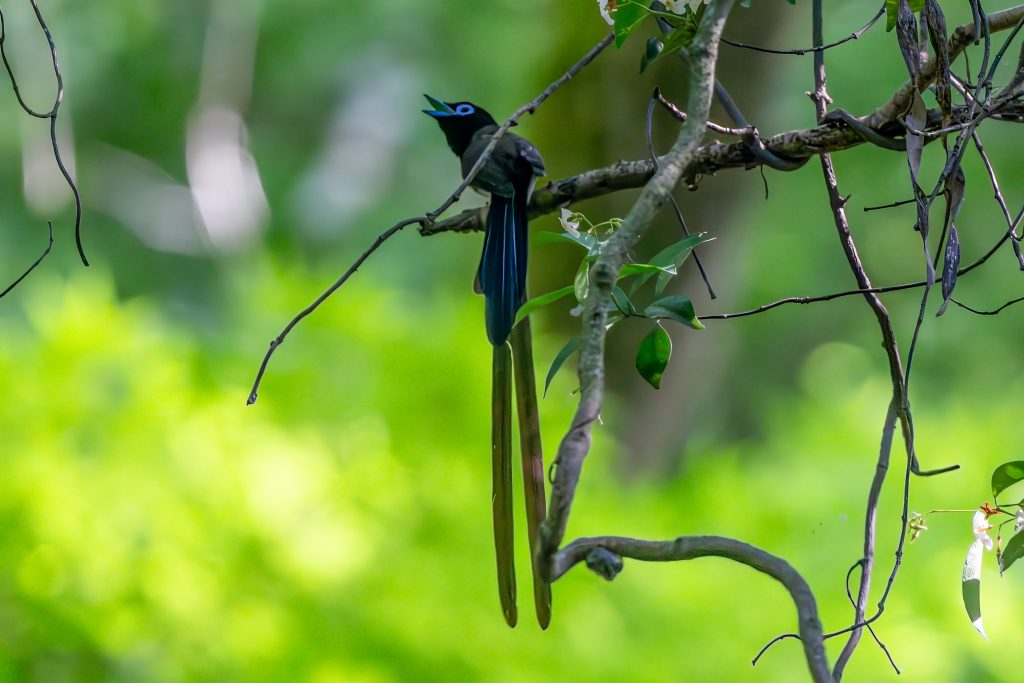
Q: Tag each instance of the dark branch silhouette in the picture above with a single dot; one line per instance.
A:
(52, 115)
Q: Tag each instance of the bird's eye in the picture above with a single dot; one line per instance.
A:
(464, 109)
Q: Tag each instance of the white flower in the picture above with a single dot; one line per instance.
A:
(981, 527)
(570, 226)
(1020, 520)
(602, 5)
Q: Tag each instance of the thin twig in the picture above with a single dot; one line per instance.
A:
(426, 220)
(812, 300)
(998, 194)
(672, 199)
(902, 202)
(864, 291)
(52, 114)
(49, 246)
(994, 311)
(680, 116)
(819, 48)
(279, 339)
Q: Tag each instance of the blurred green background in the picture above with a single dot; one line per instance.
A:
(235, 155)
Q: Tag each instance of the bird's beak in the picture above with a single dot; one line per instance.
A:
(440, 109)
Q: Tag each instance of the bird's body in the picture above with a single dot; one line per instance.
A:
(498, 177)
(508, 177)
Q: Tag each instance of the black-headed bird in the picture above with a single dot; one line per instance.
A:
(508, 176)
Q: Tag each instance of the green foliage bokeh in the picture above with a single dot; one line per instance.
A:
(156, 530)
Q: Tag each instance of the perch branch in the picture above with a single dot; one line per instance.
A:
(796, 145)
(427, 219)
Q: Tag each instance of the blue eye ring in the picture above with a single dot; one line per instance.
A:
(464, 110)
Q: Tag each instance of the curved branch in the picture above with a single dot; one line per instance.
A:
(603, 555)
(52, 115)
(818, 48)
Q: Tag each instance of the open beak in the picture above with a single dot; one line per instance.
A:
(440, 109)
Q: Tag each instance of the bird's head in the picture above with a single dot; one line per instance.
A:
(459, 121)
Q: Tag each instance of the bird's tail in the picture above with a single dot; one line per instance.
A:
(533, 459)
(502, 274)
(502, 280)
(501, 479)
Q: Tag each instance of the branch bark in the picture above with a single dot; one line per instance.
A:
(603, 555)
(795, 145)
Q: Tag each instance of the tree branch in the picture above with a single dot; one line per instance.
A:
(835, 136)
(576, 443)
(603, 555)
(962, 37)
(794, 145)
(52, 115)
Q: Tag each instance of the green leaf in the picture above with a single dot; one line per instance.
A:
(627, 16)
(570, 348)
(1006, 475)
(1014, 551)
(653, 355)
(672, 256)
(588, 242)
(541, 301)
(971, 585)
(581, 284)
(622, 301)
(648, 269)
(677, 308)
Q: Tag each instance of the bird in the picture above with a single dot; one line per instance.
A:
(508, 177)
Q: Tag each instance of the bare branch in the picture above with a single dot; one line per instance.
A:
(994, 311)
(603, 555)
(898, 406)
(52, 115)
(655, 98)
(576, 443)
(998, 195)
(46, 251)
(795, 146)
(819, 48)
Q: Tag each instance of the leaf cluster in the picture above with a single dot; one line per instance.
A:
(655, 350)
